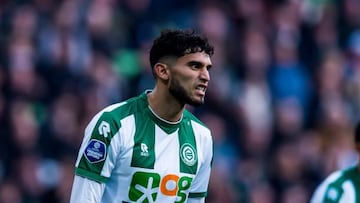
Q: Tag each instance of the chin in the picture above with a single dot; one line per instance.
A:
(196, 102)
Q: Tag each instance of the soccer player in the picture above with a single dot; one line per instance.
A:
(150, 148)
(342, 186)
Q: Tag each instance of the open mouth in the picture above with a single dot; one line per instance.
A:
(201, 89)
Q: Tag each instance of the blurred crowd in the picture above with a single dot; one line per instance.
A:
(282, 103)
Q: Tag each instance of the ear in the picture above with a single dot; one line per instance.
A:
(161, 71)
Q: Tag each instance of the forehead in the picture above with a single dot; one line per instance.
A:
(198, 56)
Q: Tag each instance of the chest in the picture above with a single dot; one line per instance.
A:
(149, 146)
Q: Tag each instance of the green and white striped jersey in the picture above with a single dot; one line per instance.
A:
(143, 158)
(341, 186)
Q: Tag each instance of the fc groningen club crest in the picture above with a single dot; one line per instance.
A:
(188, 154)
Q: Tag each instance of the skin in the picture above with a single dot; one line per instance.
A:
(177, 83)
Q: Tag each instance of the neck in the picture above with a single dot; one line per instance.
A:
(165, 105)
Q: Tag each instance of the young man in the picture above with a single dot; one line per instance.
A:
(341, 186)
(150, 148)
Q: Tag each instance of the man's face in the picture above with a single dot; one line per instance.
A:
(189, 78)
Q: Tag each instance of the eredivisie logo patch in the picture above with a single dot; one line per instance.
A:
(95, 151)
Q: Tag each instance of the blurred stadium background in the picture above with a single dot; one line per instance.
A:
(283, 99)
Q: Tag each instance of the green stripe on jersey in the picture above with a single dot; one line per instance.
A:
(197, 194)
(144, 143)
(188, 151)
(89, 175)
(333, 193)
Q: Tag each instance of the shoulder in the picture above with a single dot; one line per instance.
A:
(110, 116)
(122, 109)
(189, 116)
(332, 178)
(198, 126)
(334, 187)
(201, 131)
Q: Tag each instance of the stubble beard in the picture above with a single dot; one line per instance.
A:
(179, 92)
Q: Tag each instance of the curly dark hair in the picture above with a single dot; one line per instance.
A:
(177, 43)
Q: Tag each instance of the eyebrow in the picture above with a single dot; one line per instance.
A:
(198, 63)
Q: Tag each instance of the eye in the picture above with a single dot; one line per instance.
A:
(195, 65)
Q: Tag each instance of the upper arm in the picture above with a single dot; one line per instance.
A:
(98, 151)
(86, 191)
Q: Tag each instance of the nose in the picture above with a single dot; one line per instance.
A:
(205, 75)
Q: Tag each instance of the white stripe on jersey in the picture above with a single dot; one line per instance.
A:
(350, 192)
(166, 146)
(124, 137)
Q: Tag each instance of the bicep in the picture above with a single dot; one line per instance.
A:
(86, 191)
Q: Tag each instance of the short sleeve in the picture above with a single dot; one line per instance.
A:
(97, 156)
